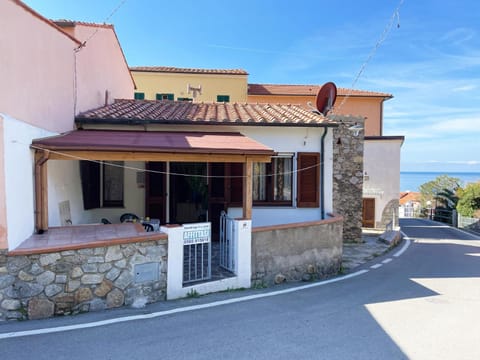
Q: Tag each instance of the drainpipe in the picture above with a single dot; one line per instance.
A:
(322, 173)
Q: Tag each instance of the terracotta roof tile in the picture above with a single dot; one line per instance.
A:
(409, 196)
(171, 69)
(70, 23)
(182, 112)
(306, 90)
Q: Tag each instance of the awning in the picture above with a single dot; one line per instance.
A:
(153, 146)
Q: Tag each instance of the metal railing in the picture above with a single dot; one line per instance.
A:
(227, 246)
(468, 223)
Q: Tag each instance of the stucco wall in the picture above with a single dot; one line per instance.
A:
(297, 251)
(382, 165)
(19, 179)
(151, 83)
(281, 139)
(37, 70)
(64, 184)
(369, 107)
(101, 67)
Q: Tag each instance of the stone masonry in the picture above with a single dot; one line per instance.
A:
(348, 176)
(68, 282)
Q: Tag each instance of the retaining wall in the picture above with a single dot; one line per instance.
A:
(68, 282)
(299, 251)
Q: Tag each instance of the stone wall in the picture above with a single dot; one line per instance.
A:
(68, 282)
(348, 176)
(390, 212)
(301, 251)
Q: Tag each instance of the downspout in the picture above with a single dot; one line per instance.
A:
(322, 173)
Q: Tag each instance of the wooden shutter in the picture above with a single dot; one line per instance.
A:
(90, 176)
(308, 180)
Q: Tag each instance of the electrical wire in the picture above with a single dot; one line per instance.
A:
(380, 41)
(74, 157)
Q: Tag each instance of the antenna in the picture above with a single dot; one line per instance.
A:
(195, 91)
(312, 108)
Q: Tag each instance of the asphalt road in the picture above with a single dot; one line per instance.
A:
(421, 303)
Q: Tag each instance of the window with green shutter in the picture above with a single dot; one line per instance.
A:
(165, 96)
(223, 98)
(139, 96)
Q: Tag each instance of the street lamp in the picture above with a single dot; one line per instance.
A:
(429, 207)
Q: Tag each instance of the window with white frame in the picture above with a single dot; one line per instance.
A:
(272, 182)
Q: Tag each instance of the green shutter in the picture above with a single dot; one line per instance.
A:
(223, 98)
(139, 96)
(165, 96)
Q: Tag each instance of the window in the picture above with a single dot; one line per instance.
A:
(184, 99)
(165, 96)
(102, 184)
(272, 182)
(223, 98)
(139, 96)
(308, 179)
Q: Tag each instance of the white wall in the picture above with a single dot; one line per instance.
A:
(280, 139)
(65, 184)
(19, 178)
(382, 164)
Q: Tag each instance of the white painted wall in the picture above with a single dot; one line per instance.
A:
(280, 139)
(19, 178)
(382, 164)
(65, 184)
(243, 263)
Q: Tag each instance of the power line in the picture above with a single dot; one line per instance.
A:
(173, 173)
(380, 41)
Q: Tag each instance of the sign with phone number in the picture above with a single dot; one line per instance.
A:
(196, 233)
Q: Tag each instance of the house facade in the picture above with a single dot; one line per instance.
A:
(381, 161)
(183, 84)
(42, 100)
(260, 178)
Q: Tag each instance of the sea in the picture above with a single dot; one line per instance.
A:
(411, 181)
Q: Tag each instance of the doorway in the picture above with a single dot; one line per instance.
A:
(188, 195)
(368, 213)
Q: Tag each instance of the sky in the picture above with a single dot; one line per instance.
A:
(425, 53)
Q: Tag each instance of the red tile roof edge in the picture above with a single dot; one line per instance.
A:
(341, 91)
(173, 69)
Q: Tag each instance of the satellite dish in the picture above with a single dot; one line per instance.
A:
(326, 97)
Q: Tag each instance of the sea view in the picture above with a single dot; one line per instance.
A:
(411, 181)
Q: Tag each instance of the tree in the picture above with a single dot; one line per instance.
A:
(442, 188)
(469, 202)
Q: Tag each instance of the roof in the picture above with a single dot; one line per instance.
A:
(409, 196)
(72, 23)
(153, 141)
(307, 90)
(171, 69)
(128, 112)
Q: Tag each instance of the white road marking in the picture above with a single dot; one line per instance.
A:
(386, 261)
(404, 247)
(57, 329)
(376, 266)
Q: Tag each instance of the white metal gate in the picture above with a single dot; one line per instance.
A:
(227, 246)
(197, 252)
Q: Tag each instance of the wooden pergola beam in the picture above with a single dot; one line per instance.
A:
(41, 190)
(151, 156)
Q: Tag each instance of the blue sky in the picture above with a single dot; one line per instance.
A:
(429, 61)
